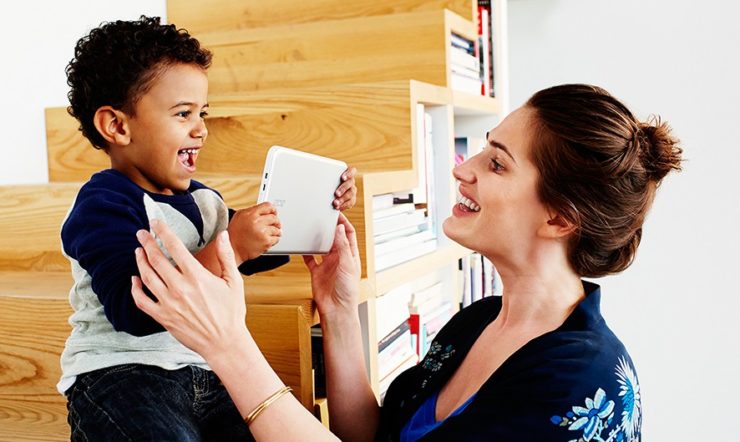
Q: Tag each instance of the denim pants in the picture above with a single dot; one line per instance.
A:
(144, 403)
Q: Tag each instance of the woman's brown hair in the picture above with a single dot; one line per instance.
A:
(599, 169)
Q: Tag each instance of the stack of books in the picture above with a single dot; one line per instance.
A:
(401, 231)
(404, 225)
(485, 39)
(429, 310)
(479, 279)
(395, 347)
(465, 66)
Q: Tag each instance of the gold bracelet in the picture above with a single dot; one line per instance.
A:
(266, 403)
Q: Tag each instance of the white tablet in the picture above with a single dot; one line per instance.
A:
(301, 186)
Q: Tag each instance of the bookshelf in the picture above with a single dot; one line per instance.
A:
(346, 79)
(340, 79)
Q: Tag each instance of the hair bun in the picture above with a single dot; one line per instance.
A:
(660, 150)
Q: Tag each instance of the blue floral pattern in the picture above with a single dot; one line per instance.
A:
(596, 418)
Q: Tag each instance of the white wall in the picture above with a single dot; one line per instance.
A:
(677, 308)
(38, 41)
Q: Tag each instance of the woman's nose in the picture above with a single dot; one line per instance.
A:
(463, 172)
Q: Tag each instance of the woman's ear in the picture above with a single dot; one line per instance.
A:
(557, 227)
(112, 124)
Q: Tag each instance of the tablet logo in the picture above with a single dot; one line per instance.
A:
(279, 203)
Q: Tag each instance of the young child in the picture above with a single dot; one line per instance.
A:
(139, 90)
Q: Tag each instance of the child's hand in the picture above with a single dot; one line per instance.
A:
(346, 193)
(254, 230)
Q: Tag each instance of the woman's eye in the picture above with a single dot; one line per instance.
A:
(496, 166)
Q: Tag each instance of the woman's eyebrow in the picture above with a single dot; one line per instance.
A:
(501, 146)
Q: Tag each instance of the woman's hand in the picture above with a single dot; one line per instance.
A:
(205, 312)
(335, 281)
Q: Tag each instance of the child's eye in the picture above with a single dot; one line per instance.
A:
(203, 114)
(496, 166)
(183, 114)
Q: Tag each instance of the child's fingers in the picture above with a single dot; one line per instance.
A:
(349, 173)
(271, 220)
(265, 208)
(344, 187)
(179, 253)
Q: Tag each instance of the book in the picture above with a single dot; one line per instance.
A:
(391, 259)
(402, 242)
(426, 300)
(465, 84)
(391, 310)
(393, 210)
(382, 201)
(467, 294)
(386, 381)
(385, 237)
(317, 362)
(394, 353)
(460, 42)
(421, 155)
(399, 221)
(484, 41)
(464, 60)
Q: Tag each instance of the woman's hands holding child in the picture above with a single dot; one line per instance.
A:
(182, 306)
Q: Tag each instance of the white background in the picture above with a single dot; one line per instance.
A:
(677, 307)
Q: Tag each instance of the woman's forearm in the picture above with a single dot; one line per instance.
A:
(353, 408)
(249, 379)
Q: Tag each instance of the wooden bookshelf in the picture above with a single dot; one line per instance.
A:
(222, 15)
(411, 45)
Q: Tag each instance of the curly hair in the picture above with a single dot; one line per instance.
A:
(599, 168)
(116, 63)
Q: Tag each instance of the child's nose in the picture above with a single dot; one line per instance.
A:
(200, 131)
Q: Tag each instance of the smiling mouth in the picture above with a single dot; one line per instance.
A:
(188, 157)
(467, 205)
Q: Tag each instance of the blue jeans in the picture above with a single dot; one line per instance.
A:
(143, 403)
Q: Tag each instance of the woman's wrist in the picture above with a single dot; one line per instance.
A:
(231, 352)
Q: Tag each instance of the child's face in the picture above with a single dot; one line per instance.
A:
(168, 130)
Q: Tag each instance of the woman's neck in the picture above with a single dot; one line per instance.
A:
(540, 297)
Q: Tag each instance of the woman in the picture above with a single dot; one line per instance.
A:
(559, 193)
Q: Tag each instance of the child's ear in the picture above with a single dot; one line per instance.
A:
(557, 226)
(112, 124)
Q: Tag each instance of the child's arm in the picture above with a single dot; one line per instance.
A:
(252, 231)
(99, 235)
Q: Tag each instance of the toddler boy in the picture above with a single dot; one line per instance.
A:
(139, 90)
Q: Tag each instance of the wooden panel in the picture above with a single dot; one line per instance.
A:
(30, 226)
(380, 48)
(32, 219)
(34, 310)
(284, 336)
(199, 17)
(32, 335)
(365, 125)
